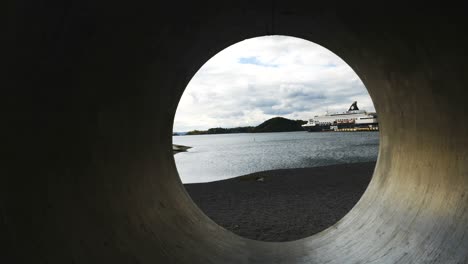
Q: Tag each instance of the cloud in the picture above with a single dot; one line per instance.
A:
(260, 78)
(263, 102)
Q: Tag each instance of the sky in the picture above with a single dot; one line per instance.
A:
(264, 77)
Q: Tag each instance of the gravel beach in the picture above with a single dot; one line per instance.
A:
(283, 205)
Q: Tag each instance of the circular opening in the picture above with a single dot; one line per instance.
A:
(269, 142)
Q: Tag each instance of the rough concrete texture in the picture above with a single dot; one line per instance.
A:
(92, 88)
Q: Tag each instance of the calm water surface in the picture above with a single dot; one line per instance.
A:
(218, 157)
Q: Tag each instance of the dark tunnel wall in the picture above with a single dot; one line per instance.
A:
(90, 98)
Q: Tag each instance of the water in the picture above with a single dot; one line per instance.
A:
(218, 157)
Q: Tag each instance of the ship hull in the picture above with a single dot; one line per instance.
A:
(343, 128)
(314, 128)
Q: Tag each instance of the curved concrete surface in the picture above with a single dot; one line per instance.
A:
(90, 177)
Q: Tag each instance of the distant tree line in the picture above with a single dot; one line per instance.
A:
(276, 124)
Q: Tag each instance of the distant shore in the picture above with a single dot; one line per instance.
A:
(283, 205)
(275, 124)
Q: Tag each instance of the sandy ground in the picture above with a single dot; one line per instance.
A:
(288, 204)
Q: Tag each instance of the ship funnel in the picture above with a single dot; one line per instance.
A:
(353, 106)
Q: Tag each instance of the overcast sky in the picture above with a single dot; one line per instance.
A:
(260, 78)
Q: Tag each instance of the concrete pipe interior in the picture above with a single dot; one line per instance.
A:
(90, 176)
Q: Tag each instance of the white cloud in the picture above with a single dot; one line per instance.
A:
(259, 78)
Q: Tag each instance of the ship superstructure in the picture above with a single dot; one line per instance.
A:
(351, 120)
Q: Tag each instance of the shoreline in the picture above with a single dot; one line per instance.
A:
(317, 132)
(285, 204)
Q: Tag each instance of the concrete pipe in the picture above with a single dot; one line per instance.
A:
(89, 102)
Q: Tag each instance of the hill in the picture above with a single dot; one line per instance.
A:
(279, 124)
(220, 130)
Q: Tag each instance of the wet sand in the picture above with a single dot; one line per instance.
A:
(288, 204)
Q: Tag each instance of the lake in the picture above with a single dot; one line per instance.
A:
(223, 156)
